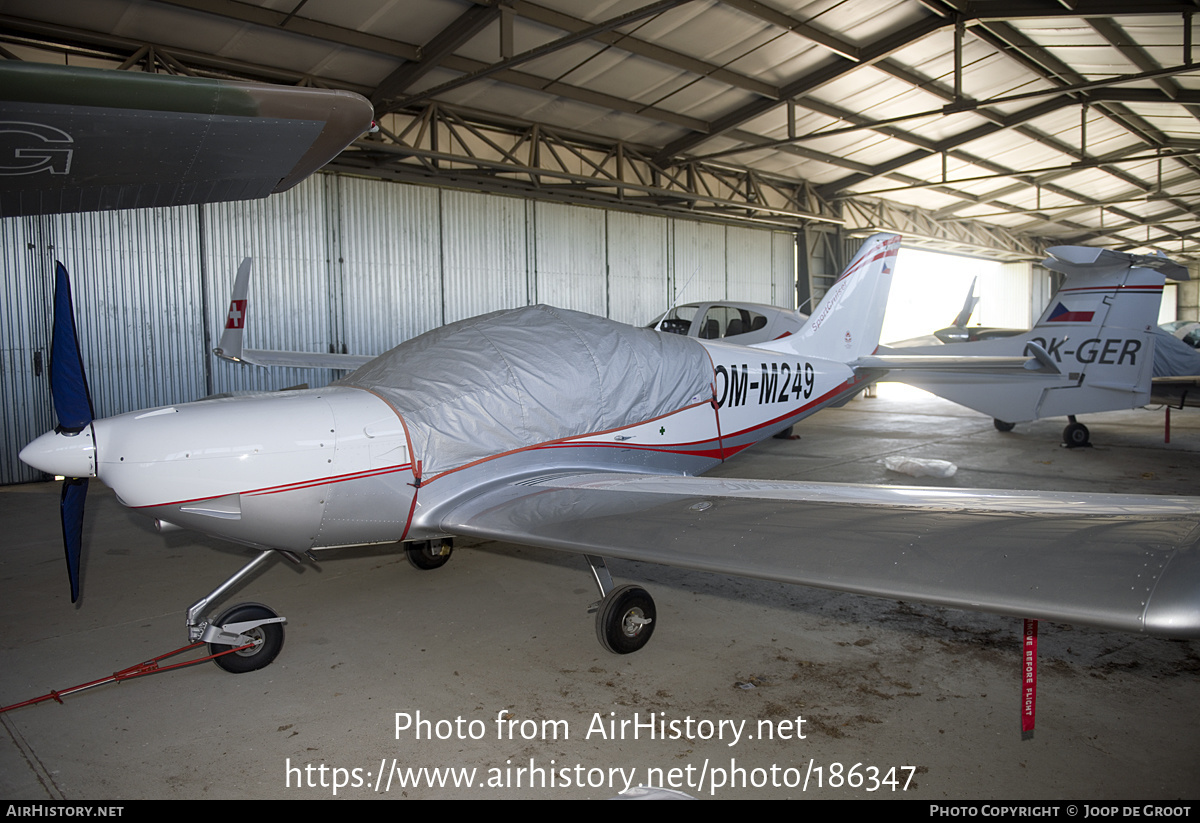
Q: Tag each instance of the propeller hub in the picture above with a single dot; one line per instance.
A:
(62, 454)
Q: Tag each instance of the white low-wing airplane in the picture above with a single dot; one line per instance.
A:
(559, 429)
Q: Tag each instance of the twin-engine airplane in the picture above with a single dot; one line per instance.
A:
(558, 429)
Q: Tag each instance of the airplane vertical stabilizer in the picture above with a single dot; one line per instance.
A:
(1096, 330)
(846, 324)
(230, 344)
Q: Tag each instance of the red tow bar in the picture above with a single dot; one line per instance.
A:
(149, 667)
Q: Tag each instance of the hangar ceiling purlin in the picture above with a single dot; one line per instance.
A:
(994, 126)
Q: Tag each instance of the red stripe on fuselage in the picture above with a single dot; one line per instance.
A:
(287, 487)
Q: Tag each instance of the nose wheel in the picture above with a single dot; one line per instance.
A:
(245, 623)
(249, 625)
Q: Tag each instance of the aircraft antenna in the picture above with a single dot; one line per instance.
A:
(678, 292)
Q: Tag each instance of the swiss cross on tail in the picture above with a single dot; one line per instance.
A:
(237, 314)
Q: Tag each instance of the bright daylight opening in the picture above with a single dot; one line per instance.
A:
(928, 292)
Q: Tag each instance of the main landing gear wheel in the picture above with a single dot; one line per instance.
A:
(256, 657)
(625, 620)
(425, 555)
(1076, 435)
(786, 434)
(1002, 425)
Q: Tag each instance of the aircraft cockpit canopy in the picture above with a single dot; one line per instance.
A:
(747, 323)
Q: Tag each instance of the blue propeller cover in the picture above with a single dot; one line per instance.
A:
(68, 384)
(74, 491)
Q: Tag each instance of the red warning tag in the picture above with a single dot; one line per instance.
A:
(1029, 676)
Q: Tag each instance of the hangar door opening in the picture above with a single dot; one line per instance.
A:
(930, 288)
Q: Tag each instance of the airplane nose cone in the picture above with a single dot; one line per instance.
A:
(65, 455)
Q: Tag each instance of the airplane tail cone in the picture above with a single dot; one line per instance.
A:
(73, 406)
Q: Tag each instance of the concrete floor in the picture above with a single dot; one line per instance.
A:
(933, 692)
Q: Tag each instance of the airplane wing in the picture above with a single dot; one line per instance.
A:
(74, 139)
(1128, 562)
(1178, 391)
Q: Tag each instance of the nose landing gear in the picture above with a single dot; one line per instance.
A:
(246, 624)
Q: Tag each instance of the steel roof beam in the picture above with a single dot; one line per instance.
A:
(1002, 10)
(644, 48)
(1014, 44)
(294, 24)
(784, 21)
(831, 70)
(651, 10)
(443, 44)
(946, 145)
(1139, 57)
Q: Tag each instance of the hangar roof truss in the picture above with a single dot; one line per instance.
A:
(981, 125)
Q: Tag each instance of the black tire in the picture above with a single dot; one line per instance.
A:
(425, 556)
(614, 627)
(1002, 425)
(786, 434)
(1076, 435)
(256, 657)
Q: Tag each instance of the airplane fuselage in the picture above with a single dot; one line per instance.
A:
(337, 466)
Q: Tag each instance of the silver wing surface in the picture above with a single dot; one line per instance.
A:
(1128, 562)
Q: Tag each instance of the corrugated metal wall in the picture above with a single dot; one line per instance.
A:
(390, 253)
(340, 264)
(135, 278)
(639, 288)
(697, 261)
(485, 258)
(24, 342)
(292, 303)
(570, 263)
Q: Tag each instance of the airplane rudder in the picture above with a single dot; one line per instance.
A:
(847, 322)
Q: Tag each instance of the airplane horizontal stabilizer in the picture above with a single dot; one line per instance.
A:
(300, 359)
(1128, 562)
(933, 362)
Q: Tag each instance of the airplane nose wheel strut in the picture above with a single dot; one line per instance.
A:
(252, 625)
(626, 614)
